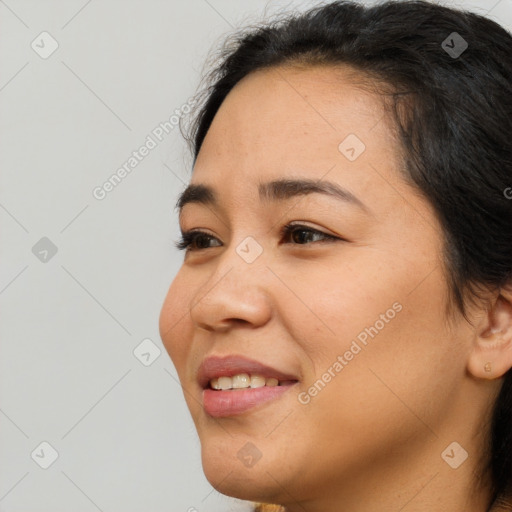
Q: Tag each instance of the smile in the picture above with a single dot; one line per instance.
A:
(244, 381)
(234, 384)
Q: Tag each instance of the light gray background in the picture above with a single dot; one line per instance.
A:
(70, 324)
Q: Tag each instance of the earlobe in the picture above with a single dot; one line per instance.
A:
(491, 354)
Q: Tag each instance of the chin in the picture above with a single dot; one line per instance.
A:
(235, 472)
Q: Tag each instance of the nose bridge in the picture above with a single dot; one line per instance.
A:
(235, 290)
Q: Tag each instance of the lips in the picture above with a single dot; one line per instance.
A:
(221, 402)
(228, 366)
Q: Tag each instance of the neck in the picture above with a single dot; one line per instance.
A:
(415, 478)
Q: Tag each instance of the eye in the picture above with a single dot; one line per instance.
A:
(194, 241)
(300, 234)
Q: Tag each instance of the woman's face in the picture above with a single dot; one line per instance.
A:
(347, 310)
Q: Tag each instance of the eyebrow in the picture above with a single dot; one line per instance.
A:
(281, 189)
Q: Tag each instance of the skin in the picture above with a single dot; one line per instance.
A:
(372, 438)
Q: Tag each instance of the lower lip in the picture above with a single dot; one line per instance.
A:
(220, 404)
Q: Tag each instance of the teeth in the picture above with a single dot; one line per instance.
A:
(225, 383)
(242, 381)
(257, 381)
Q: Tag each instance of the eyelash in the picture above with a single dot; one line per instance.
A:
(190, 237)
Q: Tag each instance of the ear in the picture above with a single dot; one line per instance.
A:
(491, 354)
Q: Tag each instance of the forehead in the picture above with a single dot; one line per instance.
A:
(289, 121)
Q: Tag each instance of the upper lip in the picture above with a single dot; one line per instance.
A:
(227, 366)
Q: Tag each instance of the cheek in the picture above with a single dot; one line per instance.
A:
(386, 323)
(174, 322)
(334, 304)
(399, 356)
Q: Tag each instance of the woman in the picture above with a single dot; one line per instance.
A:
(342, 321)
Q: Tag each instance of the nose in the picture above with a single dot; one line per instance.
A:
(235, 293)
